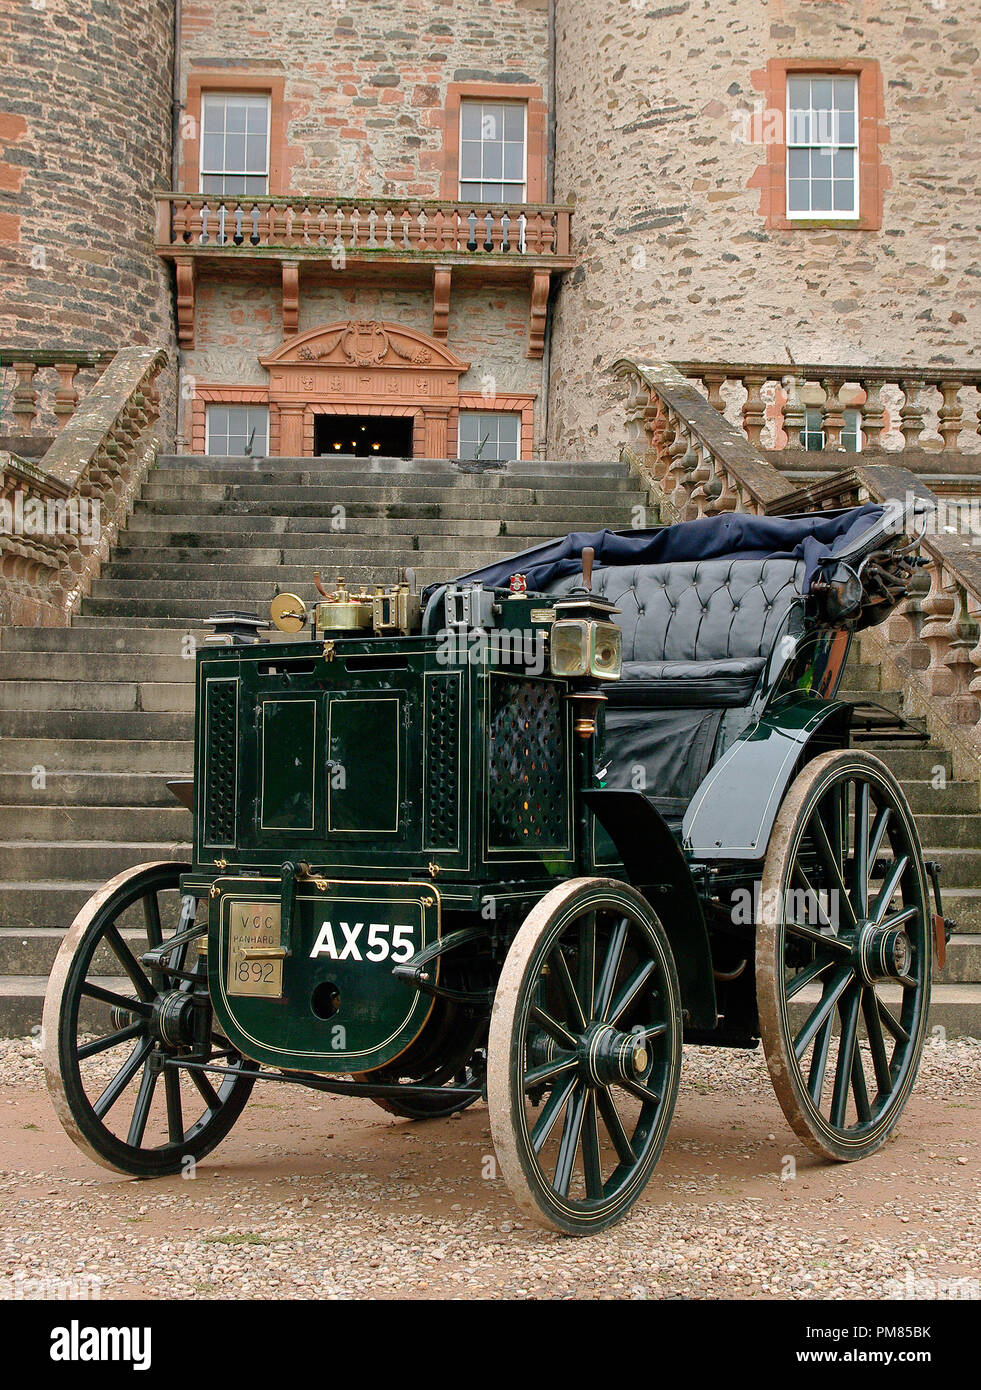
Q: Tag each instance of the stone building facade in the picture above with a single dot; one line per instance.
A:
(316, 239)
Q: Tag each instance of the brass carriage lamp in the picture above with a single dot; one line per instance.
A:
(583, 640)
(585, 643)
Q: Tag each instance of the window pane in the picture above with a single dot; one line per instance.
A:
(256, 153)
(797, 195)
(820, 164)
(514, 123)
(493, 161)
(843, 164)
(514, 158)
(844, 196)
(821, 93)
(845, 128)
(845, 93)
(211, 148)
(798, 93)
(821, 195)
(470, 120)
(234, 153)
(798, 164)
(799, 128)
(234, 116)
(513, 193)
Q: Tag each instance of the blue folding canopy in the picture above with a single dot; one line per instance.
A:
(815, 538)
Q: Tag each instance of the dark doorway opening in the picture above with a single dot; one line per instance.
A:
(365, 436)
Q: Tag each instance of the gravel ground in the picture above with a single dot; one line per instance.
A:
(321, 1196)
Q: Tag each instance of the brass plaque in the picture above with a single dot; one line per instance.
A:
(253, 940)
(542, 615)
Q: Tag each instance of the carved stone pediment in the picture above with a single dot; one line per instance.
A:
(365, 343)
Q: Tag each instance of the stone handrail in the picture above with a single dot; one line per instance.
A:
(699, 464)
(60, 515)
(311, 223)
(901, 407)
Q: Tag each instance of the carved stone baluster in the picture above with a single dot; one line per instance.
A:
(714, 382)
(938, 607)
(963, 632)
(679, 462)
(25, 395)
(701, 477)
(873, 415)
(794, 411)
(911, 414)
(832, 415)
(754, 410)
(951, 413)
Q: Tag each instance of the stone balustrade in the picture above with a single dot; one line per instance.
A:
(899, 407)
(698, 463)
(59, 515)
(374, 228)
(40, 390)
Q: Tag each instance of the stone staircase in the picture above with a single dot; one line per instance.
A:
(95, 718)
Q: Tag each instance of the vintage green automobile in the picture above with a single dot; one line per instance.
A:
(519, 838)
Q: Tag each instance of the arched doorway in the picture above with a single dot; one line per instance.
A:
(381, 375)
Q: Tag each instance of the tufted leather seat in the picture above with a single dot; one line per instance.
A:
(696, 632)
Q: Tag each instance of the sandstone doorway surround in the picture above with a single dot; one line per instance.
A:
(363, 368)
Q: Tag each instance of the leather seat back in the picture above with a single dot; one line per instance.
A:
(698, 610)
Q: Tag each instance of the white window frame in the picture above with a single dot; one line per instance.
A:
(482, 102)
(220, 93)
(831, 214)
(233, 405)
(497, 415)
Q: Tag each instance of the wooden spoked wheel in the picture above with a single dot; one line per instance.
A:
(843, 954)
(113, 1028)
(584, 1054)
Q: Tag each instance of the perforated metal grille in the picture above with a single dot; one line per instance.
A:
(527, 782)
(220, 754)
(442, 762)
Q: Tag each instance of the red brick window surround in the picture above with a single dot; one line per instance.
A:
(228, 80)
(530, 96)
(771, 177)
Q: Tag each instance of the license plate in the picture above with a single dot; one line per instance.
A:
(254, 931)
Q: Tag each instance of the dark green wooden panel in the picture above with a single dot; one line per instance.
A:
(365, 780)
(289, 750)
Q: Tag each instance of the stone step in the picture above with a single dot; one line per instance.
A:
(959, 868)
(32, 952)
(912, 763)
(82, 637)
(82, 860)
(886, 699)
(88, 789)
(963, 963)
(955, 798)
(382, 467)
(214, 535)
(189, 612)
(54, 903)
(247, 516)
(139, 753)
(118, 823)
(358, 489)
(144, 579)
(956, 1008)
(860, 675)
(96, 724)
(963, 906)
(106, 696)
(948, 829)
(73, 666)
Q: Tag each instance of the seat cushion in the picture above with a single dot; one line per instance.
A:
(705, 684)
(698, 610)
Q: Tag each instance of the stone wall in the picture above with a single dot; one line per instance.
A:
(365, 82)
(677, 260)
(85, 138)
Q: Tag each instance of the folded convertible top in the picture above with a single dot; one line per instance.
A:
(814, 538)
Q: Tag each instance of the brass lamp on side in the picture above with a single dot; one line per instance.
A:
(585, 643)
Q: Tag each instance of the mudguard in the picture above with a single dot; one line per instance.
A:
(651, 854)
(732, 812)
